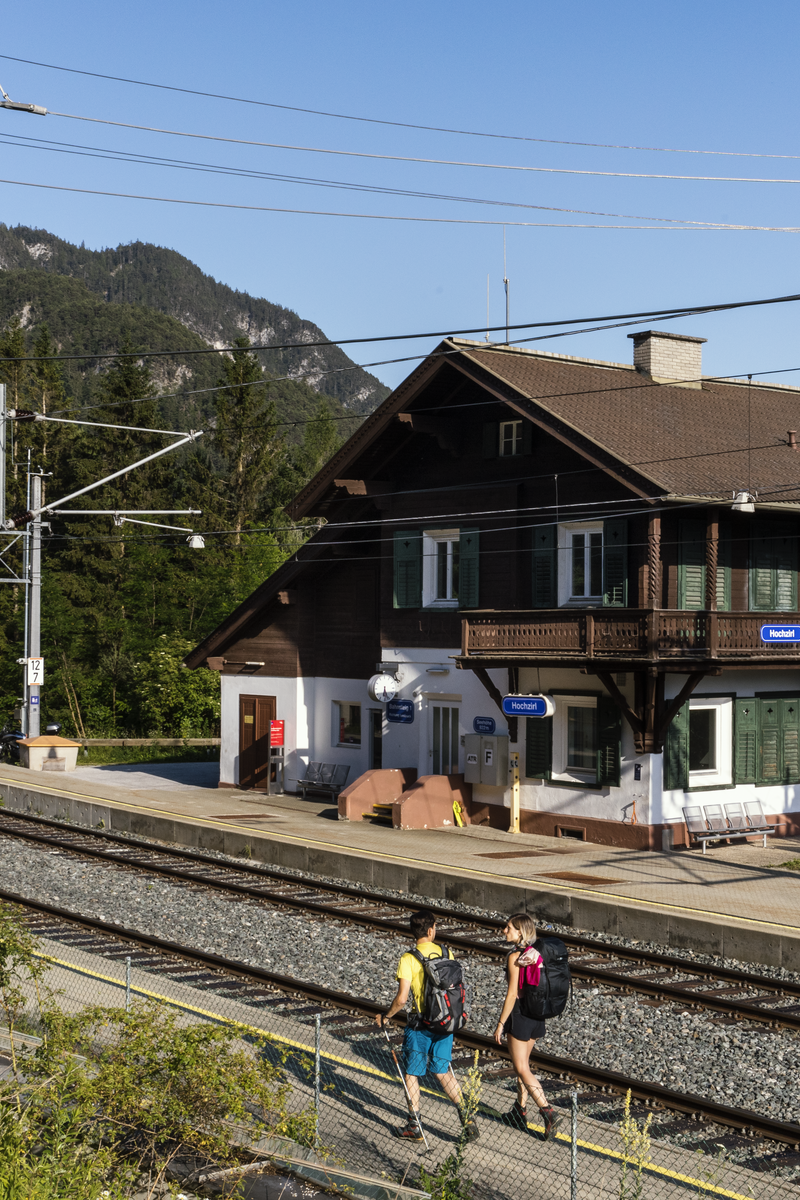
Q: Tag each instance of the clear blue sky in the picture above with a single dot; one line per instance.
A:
(711, 76)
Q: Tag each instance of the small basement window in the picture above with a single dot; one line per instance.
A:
(347, 724)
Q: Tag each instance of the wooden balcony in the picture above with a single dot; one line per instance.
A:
(630, 637)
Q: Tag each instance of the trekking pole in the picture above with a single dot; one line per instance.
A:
(414, 1114)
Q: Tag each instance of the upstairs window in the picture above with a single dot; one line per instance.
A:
(510, 438)
(581, 563)
(441, 555)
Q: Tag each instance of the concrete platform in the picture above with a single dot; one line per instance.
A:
(735, 900)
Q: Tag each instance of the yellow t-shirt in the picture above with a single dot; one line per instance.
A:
(409, 968)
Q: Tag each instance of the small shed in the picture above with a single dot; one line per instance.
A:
(49, 753)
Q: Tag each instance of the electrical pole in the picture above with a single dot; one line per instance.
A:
(35, 609)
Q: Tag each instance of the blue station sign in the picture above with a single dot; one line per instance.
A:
(528, 706)
(780, 633)
(485, 725)
(400, 712)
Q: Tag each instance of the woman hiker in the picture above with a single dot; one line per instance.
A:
(520, 1031)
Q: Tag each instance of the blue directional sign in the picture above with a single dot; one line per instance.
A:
(485, 725)
(528, 706)
(780, 633)
(400, 712)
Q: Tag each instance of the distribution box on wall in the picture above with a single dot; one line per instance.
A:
(486, 759)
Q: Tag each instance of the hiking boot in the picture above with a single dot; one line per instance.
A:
(552, 1120)
(516, 1117)
(410, 1132)
(471, 1130)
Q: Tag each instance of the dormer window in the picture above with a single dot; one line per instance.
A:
(510, 438)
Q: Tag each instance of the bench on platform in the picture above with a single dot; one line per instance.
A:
(717, 823)
(328, 778)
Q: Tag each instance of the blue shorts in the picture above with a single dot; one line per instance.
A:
(424, 1051)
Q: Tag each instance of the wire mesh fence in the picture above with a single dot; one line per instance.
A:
(343, 1073)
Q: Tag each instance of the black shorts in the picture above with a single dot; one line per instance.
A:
(521, 1027)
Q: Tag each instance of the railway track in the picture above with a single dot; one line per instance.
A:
(345, 1015)
(735, 994)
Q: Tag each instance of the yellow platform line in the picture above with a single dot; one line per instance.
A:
(399, 858)
(606, 1151)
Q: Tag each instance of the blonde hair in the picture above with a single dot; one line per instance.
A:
(526, 926)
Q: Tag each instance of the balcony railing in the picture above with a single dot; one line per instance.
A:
(628, 634)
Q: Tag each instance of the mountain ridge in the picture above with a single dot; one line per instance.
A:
(142, 274)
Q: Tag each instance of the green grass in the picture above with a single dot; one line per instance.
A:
(98, 755)
(792, 865)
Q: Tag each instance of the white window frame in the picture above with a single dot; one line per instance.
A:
(560, 740)
(722, 774)
(565, 533)
(336, 717)
(431, 540)
(515, 440)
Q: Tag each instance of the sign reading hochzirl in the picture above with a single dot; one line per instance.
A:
(780, 633)
(528, 706)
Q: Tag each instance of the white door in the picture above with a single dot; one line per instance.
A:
(445, 735)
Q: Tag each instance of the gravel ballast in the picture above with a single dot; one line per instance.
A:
(742, 1065)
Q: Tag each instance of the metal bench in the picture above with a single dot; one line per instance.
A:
(712, 823)
(327, 778)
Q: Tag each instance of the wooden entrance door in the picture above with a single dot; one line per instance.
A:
(255, 714)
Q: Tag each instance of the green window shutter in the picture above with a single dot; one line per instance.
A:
(527, 436)
(407, 569)
(609, 742)
(691, 564)
(491, 439)
(785, 557)
(545, 573)
(468, 569)
(724, 569)
(538, 747)
(615, 563)
(771, 768)
(746, 740)
(790, 720)
(676, 752)
(773, 568)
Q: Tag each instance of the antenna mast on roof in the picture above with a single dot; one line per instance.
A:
(505, 279)
(487, 306)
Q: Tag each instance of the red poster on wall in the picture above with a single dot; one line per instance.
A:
(276, 733)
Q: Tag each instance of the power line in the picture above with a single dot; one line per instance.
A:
(318, 212)
(438, 162)
(687, 310)
(395, 124)
(104, 154)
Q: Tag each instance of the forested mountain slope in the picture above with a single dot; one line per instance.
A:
(142, 274)
(123, 603)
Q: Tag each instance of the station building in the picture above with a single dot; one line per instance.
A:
(619, 537)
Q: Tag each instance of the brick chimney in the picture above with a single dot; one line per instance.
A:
(668, 357)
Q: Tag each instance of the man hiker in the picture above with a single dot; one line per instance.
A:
(424, 1049)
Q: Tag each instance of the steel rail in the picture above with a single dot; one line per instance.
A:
(73, 839)
(651, 1093)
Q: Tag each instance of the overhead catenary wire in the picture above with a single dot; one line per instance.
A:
(438, 162)
(106, 155)
(320, 212)
(395, 124)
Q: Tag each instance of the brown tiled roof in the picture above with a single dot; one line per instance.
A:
(689, 441)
